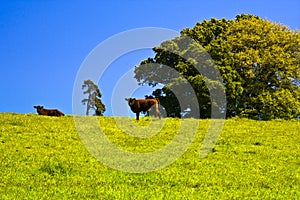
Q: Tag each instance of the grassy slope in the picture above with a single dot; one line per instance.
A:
(43, 157)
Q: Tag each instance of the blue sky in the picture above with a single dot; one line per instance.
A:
(44, 43)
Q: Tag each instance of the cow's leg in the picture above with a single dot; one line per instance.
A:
(137, 116)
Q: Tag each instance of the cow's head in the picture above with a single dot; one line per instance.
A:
(39, 107)
(131, 101)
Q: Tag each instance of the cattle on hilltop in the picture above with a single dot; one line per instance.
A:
(143, 105)
(49, 112)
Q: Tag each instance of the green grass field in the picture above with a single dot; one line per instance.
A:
(44, 158)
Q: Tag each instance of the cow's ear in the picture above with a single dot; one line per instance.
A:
(126, 99)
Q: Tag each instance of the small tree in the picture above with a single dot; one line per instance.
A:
(93, 100)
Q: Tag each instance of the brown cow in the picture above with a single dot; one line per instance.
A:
(143, 105)
(49, 112)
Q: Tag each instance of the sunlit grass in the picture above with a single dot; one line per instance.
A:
(44, 158)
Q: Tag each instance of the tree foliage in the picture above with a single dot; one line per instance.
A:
(258, 60)
(93, 100)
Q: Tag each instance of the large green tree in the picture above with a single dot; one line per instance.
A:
(93, 100)
(258, 60)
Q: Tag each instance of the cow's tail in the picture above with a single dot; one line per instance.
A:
(157, 108)
(157, 101)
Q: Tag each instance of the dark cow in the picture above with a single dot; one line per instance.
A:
(143, 105)
(49, 112)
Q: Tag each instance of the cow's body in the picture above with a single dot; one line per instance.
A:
(49, 112)
(143, 105)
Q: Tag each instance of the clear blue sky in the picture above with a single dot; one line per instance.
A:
(43, 43)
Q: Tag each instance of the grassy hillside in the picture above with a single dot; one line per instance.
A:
(44, 158)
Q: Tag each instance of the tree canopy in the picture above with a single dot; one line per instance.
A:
(258, 61)
(93, 100)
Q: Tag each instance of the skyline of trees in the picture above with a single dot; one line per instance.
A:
(258, 61)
